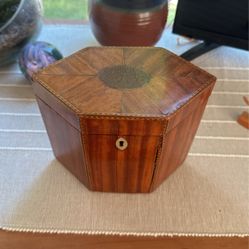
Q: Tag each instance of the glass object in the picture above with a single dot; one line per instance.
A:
(37, 55)
(20, 22)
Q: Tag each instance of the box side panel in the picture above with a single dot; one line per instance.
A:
(188, 108)
(128, 171)
(177, 141)
(66, 142)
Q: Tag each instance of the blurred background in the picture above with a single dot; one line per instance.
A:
(77, 10)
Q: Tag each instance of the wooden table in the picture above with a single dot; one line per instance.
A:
(14, 240)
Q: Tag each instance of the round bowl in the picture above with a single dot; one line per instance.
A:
(20, 22)
(128, 23)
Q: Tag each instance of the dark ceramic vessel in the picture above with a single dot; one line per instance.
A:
(128, 23)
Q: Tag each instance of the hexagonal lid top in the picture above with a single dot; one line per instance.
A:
(124, 81)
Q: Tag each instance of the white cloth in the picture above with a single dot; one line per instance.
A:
(207, 195)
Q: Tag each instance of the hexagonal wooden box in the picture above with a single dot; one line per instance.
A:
(122, 119)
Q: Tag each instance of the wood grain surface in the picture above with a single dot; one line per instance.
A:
(76, 81)
(66, 142)
(130, 170)
(178, 140)
(59, 107)
(14, 240)
(148, 97)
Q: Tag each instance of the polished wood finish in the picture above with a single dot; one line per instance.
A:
(76, 82)
(14, 240)
(62, 109)
(155, 106)
(130, 170)
(114, 26)
(181, 136)
(123, 126)
(66, 142)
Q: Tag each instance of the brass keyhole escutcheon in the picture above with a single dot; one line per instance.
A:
(121, 143)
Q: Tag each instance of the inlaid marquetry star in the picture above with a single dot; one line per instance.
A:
(128, 81)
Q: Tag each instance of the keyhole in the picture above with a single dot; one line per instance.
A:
(121, 143)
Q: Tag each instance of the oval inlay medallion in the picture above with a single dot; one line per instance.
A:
(124, 76)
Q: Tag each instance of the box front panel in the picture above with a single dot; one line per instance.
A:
(121, 170)
(114, 125)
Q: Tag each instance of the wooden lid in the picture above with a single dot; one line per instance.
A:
(124, 81)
